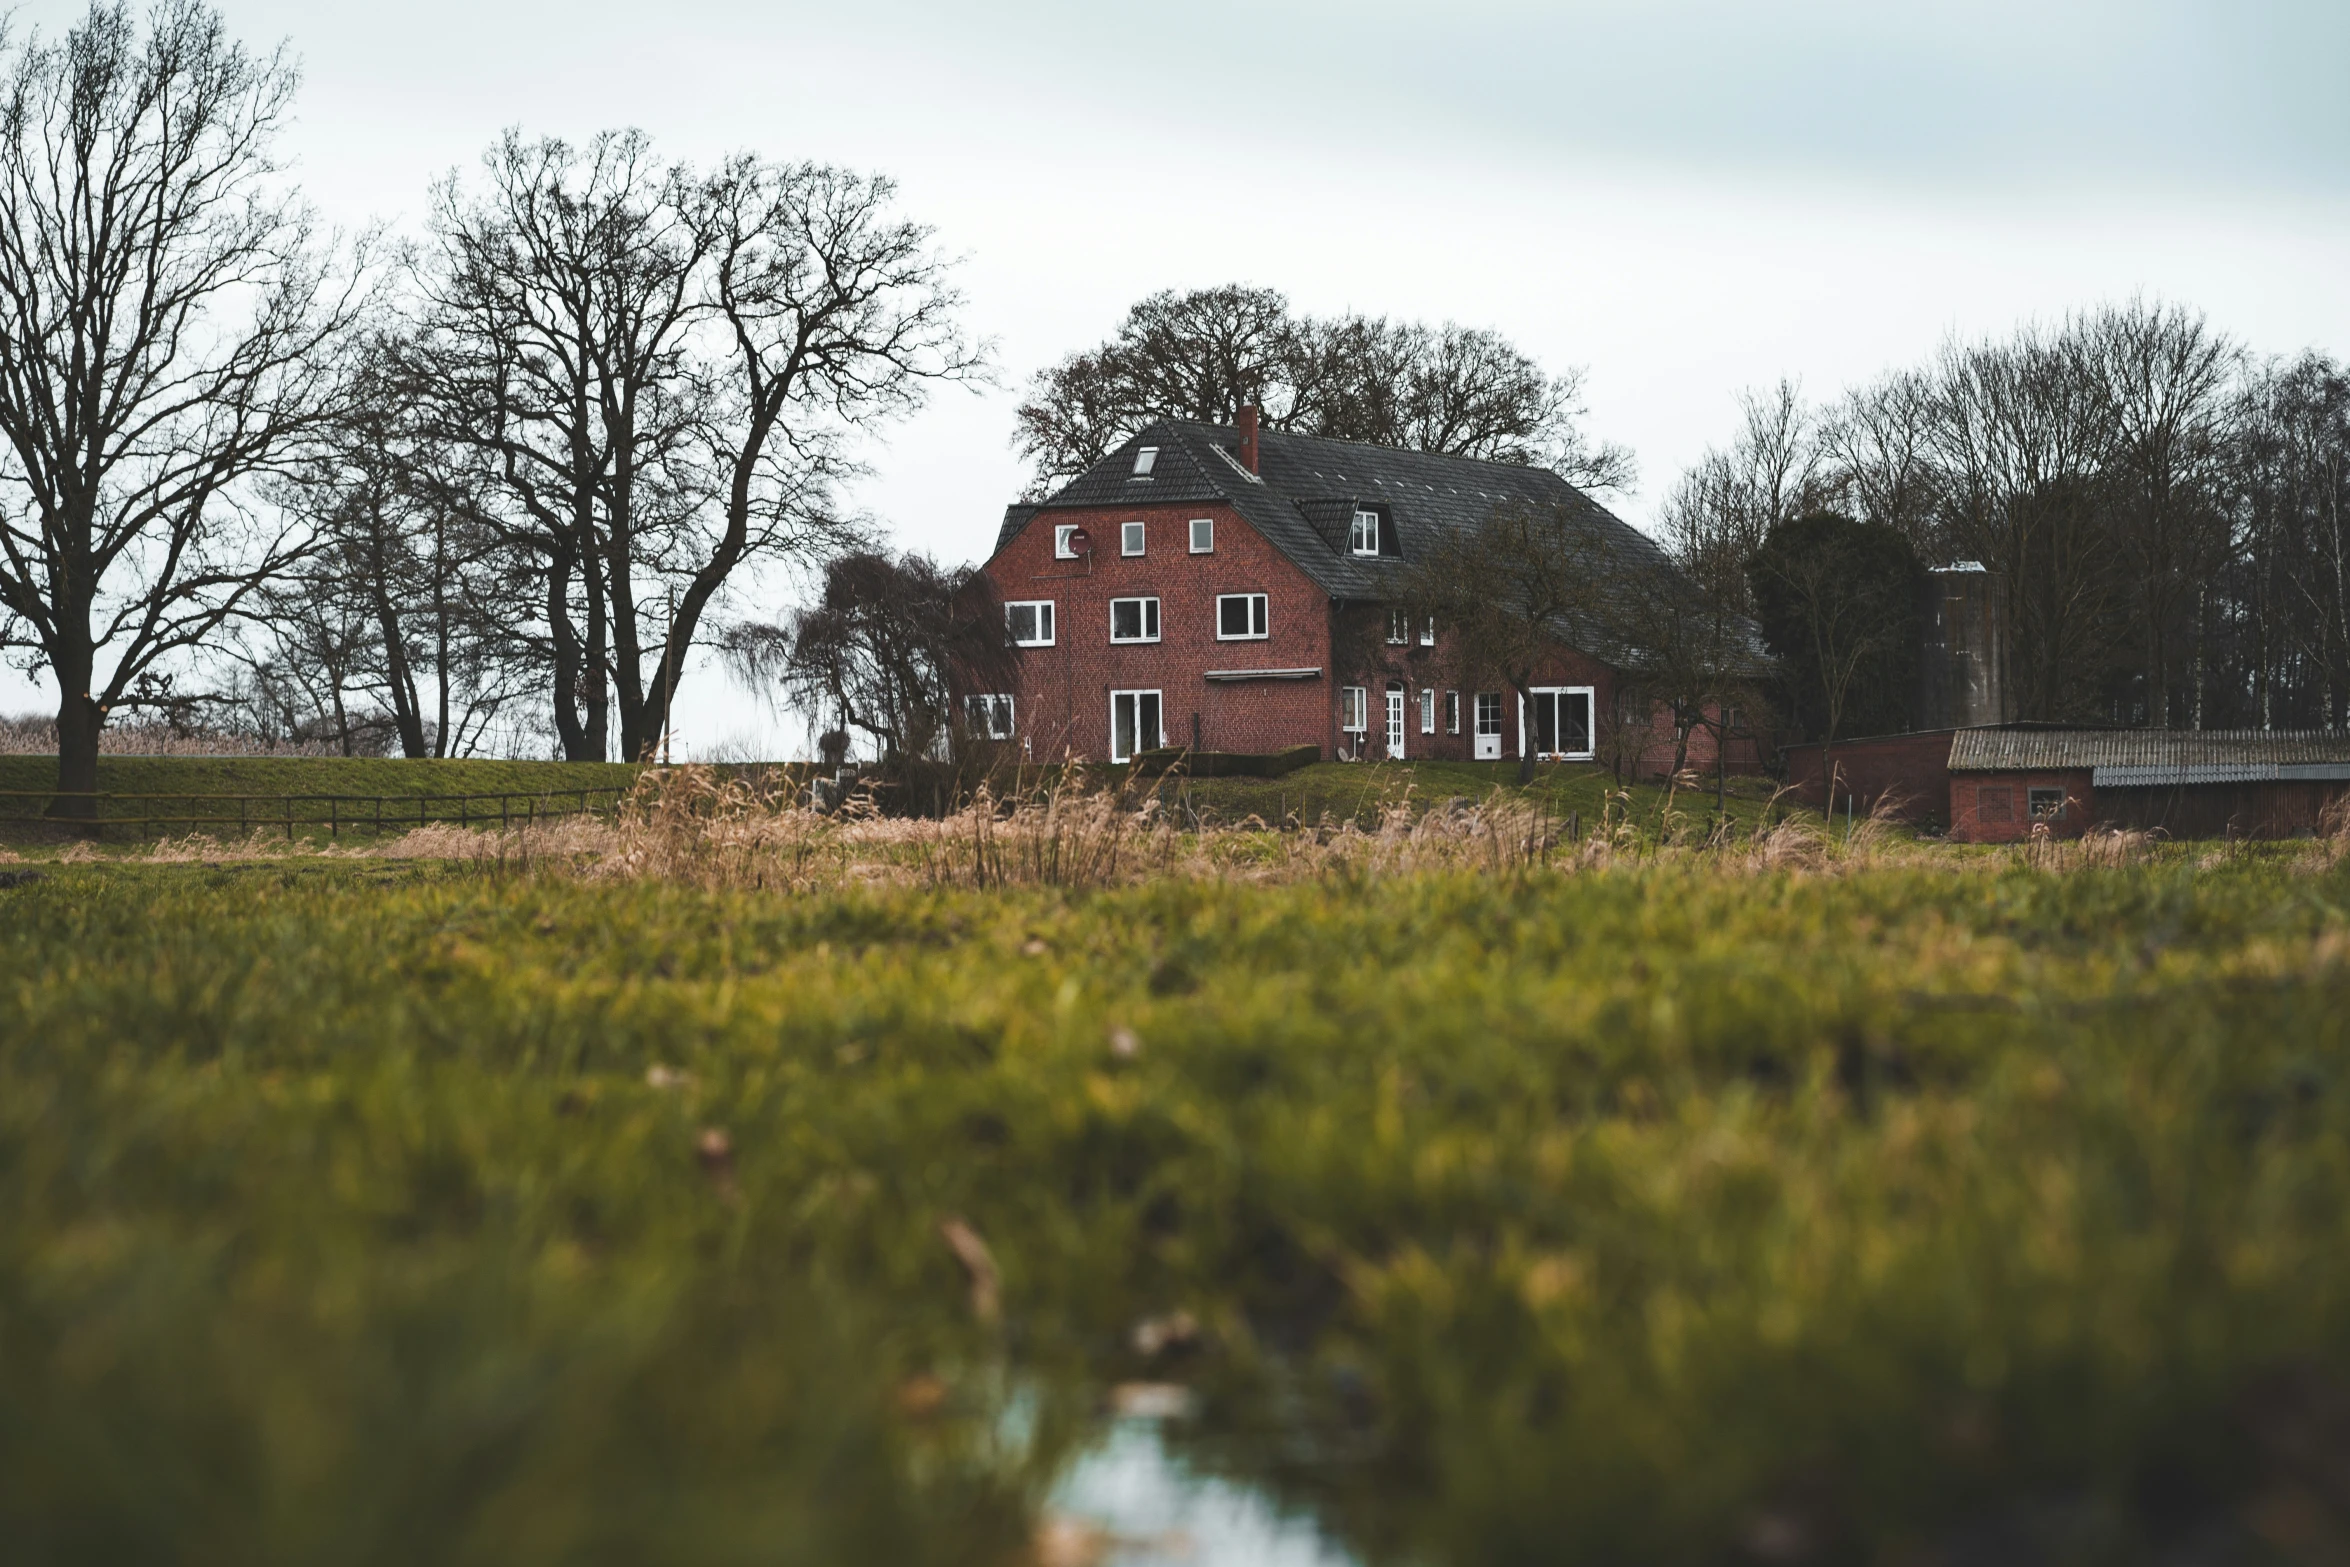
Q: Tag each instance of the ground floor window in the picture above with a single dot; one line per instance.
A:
(990, 717)
(1354, 709)
(1134, 724)
(1427, 710)
(1994, 804)
(1560, 719)
(2047, 804)
(1452, 712)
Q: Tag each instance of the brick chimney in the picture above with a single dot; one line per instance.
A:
(1248, 436)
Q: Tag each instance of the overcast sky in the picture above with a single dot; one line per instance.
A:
(1685, 198)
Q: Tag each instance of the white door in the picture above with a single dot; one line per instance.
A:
(1395, 723)
(1134, 724)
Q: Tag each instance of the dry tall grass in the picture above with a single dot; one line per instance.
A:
(692, 826)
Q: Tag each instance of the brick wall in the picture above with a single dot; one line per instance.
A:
(1063, 701)
(1914, 770)
(1996, 807)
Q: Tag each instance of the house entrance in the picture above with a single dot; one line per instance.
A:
(1562, 723)
(1134, 724)
(1395, 723)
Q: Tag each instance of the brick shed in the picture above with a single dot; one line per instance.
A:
(2245, 783)
(1991, 784)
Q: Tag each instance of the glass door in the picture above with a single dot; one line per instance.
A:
(1562, 722)
(1134, 724)
(1395, 722)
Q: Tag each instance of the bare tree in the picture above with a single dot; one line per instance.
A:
(168, 332)
(1725, 506)
(1511, 592)
(1462, 391)
(2169, 386)
(404, 559)
(887, 649)
(665, 372)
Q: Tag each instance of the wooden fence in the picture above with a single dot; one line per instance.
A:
(336, 814)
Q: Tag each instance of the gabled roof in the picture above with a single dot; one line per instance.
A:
(2124, 758)
(1308, 488)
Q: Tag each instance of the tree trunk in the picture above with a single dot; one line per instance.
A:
(78, 722)
(1525, 750)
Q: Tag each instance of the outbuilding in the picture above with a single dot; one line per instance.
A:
(1994, 784)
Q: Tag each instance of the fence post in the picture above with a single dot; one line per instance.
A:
(287, 801)
(334, 817)
(464, 810)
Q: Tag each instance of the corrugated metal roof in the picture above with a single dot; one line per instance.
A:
(2145, 757)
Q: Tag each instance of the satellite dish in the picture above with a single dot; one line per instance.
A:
(1080, 541)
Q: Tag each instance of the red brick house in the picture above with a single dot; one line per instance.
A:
(1226, 589)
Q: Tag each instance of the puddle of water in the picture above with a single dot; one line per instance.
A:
(1153, 1512)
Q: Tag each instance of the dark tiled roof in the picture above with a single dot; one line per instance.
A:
(2125, 757)
(1307, 489)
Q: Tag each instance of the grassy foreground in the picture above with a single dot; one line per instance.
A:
(367, 1212)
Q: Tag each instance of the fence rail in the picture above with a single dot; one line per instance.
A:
(337, 813)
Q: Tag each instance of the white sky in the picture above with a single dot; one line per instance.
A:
(1687, 198)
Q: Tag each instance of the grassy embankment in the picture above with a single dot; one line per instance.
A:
(1963, 1211)
(163, 786)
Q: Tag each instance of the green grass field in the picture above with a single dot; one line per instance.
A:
(1956, 1211)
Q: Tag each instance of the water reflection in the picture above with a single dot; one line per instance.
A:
(1128, 1502)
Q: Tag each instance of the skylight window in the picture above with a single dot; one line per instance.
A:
(1144, 461)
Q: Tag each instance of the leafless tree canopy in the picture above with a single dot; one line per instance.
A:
(656, 376)
(169, 333)
(2160, 508)
(1204, 355)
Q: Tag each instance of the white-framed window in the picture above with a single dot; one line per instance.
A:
(1427, 710)
(1452, 712)
(1243, 617)
(1489, 714)
(1030, 622)
(1134, 724)
(1428, 632)
(1363, 537)
(1063, 533)
(1560, 723)
(1354, 709)
(990, 717)
(1144, 461)
(1134, 620)
(1399, 628)
(1203, 535)
(1130, 538)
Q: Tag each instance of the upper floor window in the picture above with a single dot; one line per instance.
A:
(1031, 622)
(1242, 617)
(1134, 620)
(990, 717)
(1428, 632)
(1130, 538)
(1363, 537)
(1144, 461)
(1399, 628)
(1064, 541)
(1203, 535)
